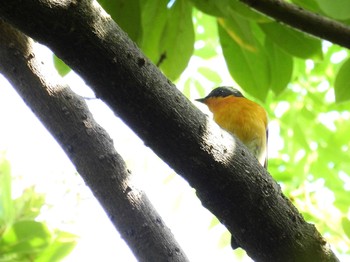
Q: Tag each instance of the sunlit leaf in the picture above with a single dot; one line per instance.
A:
(225, 239)
(29, 204)
(338, 9)
(342, 83)
(7, 212)
(127, 14)
(292, 41)
(210, 6)
(60, 247)
(299, 135)
(187, 88)
(308, 4)
(154, 18)
(177, 39)
(281, 67)
(206, 35)
(228, 8)
(299, 69)
(245, 57)
(341, 200)
(214, 222)
(237, 7)
(25, 237)
(210, 74)
(200, 89)
(346, 226)
(60, 66)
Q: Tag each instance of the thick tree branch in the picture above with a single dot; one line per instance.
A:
(228, 180)
(303, 20)
(89, 147)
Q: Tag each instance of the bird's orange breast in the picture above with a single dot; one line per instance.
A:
(242, 117)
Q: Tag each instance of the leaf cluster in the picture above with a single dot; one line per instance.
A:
(258, 51)
(22, 238)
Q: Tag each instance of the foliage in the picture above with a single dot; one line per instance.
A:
(22, 238)
(258, 51)
(303, 82)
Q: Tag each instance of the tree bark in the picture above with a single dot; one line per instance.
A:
(89, 147)
(228, 179)
(303, 20)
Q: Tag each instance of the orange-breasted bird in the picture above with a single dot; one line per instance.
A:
(240, 116)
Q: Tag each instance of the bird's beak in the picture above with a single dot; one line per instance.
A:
(202, 100)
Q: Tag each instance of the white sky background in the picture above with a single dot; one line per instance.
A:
(38, 160)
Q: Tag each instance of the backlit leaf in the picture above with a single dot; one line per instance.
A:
(292, 41)
(177, 40)
(245, 57)
(60, 66)
(337, 9)
(342, 83)
(154, 18)
(281, 67)
(127, 14)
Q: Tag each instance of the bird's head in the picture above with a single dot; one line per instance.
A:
(222, 91)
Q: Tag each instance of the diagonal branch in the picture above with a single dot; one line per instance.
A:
(89, 147)
(303, 20)
(228, 179)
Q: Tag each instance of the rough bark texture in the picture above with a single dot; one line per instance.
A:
(303, 20)
(228, 180)
(89, 147)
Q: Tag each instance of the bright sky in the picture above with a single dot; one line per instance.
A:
(37, 159)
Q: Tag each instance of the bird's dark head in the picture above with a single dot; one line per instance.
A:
(222, 91)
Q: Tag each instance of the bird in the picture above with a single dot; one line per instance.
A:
(240, 116)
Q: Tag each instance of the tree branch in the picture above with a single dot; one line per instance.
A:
(228, 179)
(303, 20)
(89, 147)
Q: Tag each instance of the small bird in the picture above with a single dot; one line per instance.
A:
(240, 116)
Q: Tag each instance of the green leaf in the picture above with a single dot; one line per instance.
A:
(342, 83)
(61, 246)
(177, 40)
(28, 205)
(127, 14)
(210, 6)
(206, 35)
(346, 226)
(237, 7)
(225, 239)
(210, 74)
(168, 35)
(292, 41)
(308, 4)
(214, 222)
(60, 66)
(299, 69)
(199, 88)
(25, 237)
(281, 67)
(299, 136)
(187, 88)
(229, 8)
(245, 57)
(7, 212)
(342, 200)
(154, 18)
(337, 9)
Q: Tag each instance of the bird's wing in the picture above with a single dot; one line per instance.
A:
(267, 138)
